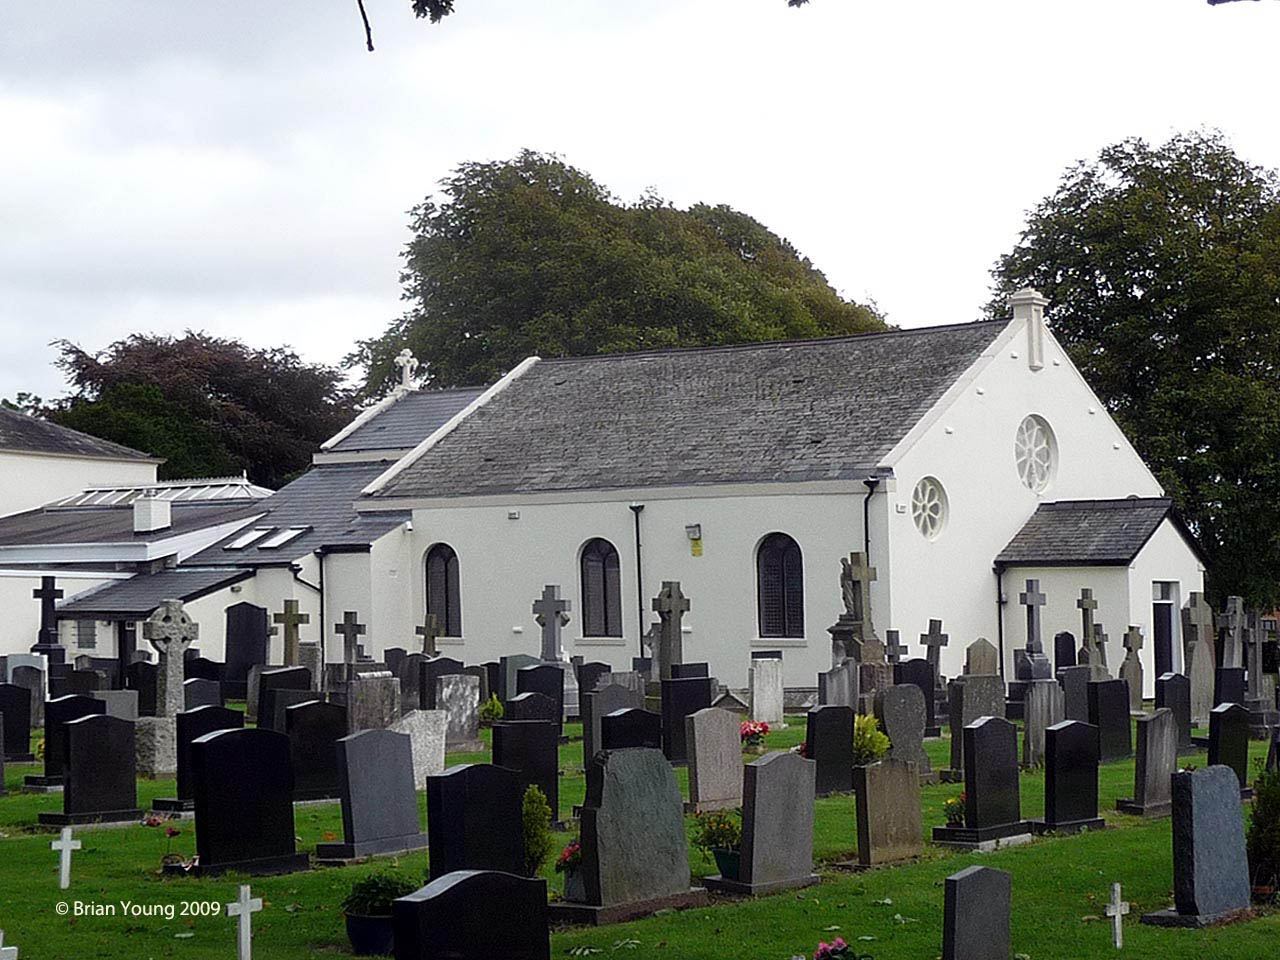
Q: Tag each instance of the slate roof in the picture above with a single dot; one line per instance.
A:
(22, 433)
(321, 502)
(407, 422)
(136, 598)
(789, 411)
(1090, 532)
(113, 524)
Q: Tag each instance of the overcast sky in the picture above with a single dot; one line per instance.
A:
(244, 166)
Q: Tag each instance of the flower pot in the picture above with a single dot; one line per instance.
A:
(755, 749)
(370, 936)
(575, 886)
(1263, 893)
(728, 862)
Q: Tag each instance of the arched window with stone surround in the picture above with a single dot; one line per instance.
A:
(443, 598)
(780, 587)
(601, 589)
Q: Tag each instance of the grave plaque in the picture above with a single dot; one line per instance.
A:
(715, 760)
(474, 915)
(473, 820)
(379, 805)
(828, 740)
(1070, 779)
(1157, 759)
(889, 825)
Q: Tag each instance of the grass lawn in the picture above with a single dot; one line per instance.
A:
(1059, 886)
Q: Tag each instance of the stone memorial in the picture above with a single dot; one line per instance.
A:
(981, 659)
(379, 805)
(993, 807)
(680, 698)
(311, 659)
(473, 915)
(920, 673)
(393, 657)
(276, 678)
(901, 712)
(975, 916)
(1229, 742)
(551, 612)
(532, 749)
(1157, 760)
(1064, 650)
(373, 701)
(1045, 705)
(248, 638)
(277, 700)
(1070, 779)
(191, 726)
(426, 732)
(410, 674)
(828, 741)
(838, 687)
(57, 714)
(15, 714)
(598, 701)
(474, 820)
(99, 782)
(1109, 712)
(1229, 685)
(1075, 692)
(431, 669)
(715, 760)
(1199, 645)
(532, 706)
(314, 729)
(670, 605)
(889, 824)
(289, 619)
(32, 680)
(1173, 690)
(589, 675)
(199, 692)
(971, 697)
(765, 686)
(457, 696)
(630, 727)
(510, 668)
(1131, 668)
(546, 679)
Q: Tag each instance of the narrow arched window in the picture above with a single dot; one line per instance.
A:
(780, 587)
(443, 598)
(601, 590)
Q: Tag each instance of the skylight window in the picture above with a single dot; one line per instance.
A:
(245, 539)
(281, 537)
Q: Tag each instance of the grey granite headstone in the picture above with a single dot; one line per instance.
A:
(511, 666)
(32, 679)
(765, 678)
(1157, 759)
(901, 712)
(426, 731)
(889, 824)
(981, 658)
(606, 698)
(379, 805)
(975, 923)
(838, 686)
(120, 703)
(971, 696)
(309, 656)
(253, 678)
(1075, 691)
(201, 693)
(715, 760)
(631, 679)
(156, 747)
(1173, 690)
(373, 701)
(472, 914)
(1044, 706)
(456, 695)
(1210, 868)
(1109, 712)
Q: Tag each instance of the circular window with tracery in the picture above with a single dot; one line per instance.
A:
(1036, 453)
(929, 507)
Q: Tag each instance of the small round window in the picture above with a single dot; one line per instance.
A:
(1036, 453)
(929, 507)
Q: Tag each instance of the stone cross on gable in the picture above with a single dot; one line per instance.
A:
(291, 619)
(1230, 625)
(934, 641)
(170, 631)
(430, 631)
(408, 367)
(7, 953)
(670, 605)
(244, 909)
(64, 845)
(893, 650)
(48, 594)
(552, 613)
(350, 629)
(1116, 910)
(1033, 600)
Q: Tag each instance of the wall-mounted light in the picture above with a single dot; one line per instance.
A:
(513, 514)
(693, 531)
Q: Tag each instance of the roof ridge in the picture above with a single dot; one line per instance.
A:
(1114, 502)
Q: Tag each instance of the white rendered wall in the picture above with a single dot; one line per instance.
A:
(969, 446)
(1165, 557)
(346, 587)
(22, 611)
(1061, 588)
(28, 480)
(392, 611)
(504, 563)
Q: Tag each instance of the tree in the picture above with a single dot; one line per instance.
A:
(210, 406)
(531, 256)
(1162, 266)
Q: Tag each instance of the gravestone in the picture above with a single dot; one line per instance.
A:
(551, 612)
(474, 820)
(1045, 705)
(630, 679)
(474, 915)
(715, 760)
(290, 619)
(57, 714)
(1157, 760)
(934, 641)
(548, 680)
(1131, 668)
(993, 806)
(901, 712)
(1070, 779)
(680, 698)
(1230, 624)
(252, 692)
(685, 671)
(99, 782)
(276, 701)
(277, 678)
(670, 605)
(373, 701)
(410, 674)
(81, 682)
(379, 805)
(1210, 868)
(889, 825)
(1075, 692)
(828, 741)
(1229, 685)
(426, 732)
(635, 856)
(120, 703)
(1229, 741)
(1173, 690)
(1029, 662)
(971, 697)
(393, 657)
(589, 675)
(243, 785)
(1199, 655)
(202, 668)
(248, 635)
(595, 704)
(777, 827)
(311, 659)
(171, 631)
(314, 728)
(156, 747)
(838, 687)
(532, 749)
(1064, 650)
(456, 695)
(191, 726)
(429, 671)
(1109, 712)
(32, 680)
(975, 915)
(510, 668)
(920, 673)
(981, 659)
(531, 706)
(482, 678)
(15, 711)
(765, 683)
(627, 728)
(199, 692)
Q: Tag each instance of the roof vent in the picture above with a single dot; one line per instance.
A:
(1028, 305)
(151, 514)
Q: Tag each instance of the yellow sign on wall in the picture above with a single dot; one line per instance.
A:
(695, 547)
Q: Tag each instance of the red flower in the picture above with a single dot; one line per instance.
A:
(173, 832)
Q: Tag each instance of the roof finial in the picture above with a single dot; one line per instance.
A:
(408, 367)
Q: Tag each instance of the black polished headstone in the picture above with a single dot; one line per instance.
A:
(57, 714)
(631, 727)
(1229, 685)
(1064, 650)
(410, 674)
(1071, 777)
(546, 679)
(1075, 692)
(201, 692)
(248, 635)
(975, 916)
(15, 707)
(594, 704)
(532, 749)
(531, 706)
(685, 671)
(1173, 690)
(393, 657)
(191, 726)
(680, 698)
(278, 678)
(828, 740)
(918, 672)
(32, 680)
(202, 668)
(143, 677)
(589, 675)
(431, 669)
(474, 820)
(314, 729)
(1229, 739)
(1109, 712)
(379, 805)
(991, 788)
(493, 670)
(474, 915)
(78, 682)
(275, 702)
(99, 783)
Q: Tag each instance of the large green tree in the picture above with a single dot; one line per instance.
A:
(210, 406)
(1162, 265)
(531, 256)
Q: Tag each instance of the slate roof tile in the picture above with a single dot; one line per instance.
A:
(22, 433)
(408, 421)
(1089, 532)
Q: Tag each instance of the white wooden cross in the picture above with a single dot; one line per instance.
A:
(1116, 910)
(244, 908)
(7, 953)
(64, 846)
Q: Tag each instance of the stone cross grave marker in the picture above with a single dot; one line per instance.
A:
(290, 619)
(894, 650)
(7, 953)
(1254, 636)
(551, 611)
(1086, 605)
(244, 909)
(350, 629)
(1131, 668)
(934, 641)
(170, 631)
(64, 845)
(48, 594)
(1116, 910)
(857, 577)
(1030, 663)
(430, 631)
(1198, 654)
(1230, 624)
(1100, 639)
(670, 605)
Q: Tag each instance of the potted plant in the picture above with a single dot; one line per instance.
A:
(368, 912)
(753, 733)
(536, 822)
(869, 743)
(953, 807)
(570, 864)
(719, 835)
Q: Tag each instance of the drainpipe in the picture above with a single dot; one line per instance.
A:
(636, 509)
(870, 483)
(999, 571)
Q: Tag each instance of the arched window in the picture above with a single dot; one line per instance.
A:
(601, 590)
(780, 587)
(443, 598)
